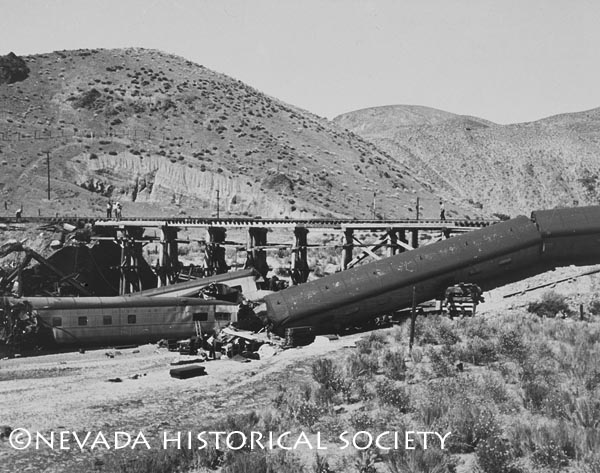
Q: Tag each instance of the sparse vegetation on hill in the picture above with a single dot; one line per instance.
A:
(507, 169)
(113, 120)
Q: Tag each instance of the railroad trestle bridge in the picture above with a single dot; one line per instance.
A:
(391, 237)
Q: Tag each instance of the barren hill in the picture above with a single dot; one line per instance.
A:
(164, 135)
(507, 169)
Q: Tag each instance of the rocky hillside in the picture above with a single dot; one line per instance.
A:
(505, 169)
(166, 136)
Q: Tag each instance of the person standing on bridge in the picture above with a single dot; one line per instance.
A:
(109, 209)
(442, 210)
(117, 210)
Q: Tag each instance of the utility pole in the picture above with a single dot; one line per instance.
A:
(413, 318)
(418, 205)
(373, 209)
(48, 166)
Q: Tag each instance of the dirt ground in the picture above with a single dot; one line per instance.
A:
(71, 391)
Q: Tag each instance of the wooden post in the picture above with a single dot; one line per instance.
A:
(392, 242)
(168, 262)
(414, 241)
(300, 270)
(413, 317)
(123, 286)
(418, 209)
(257, 257)
(215, 253)
(402, 237)
(348, 241)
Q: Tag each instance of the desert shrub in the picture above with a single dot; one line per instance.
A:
(494, 455)
(361, 420)
(585, 412)
(394, 366)
(416, 355)
(299, 406)
(273, 421)
(398, 334)
(321, 465)
(328, 375)
(539, 377)
(361, 389)
(550, 456)
(262, 462)
(551, 444)
(433, 400)
(329, 426)
(492, 387)
(442, 361)
(430, 412)
(240, 422)
(470, 424)
(512, 345)
(557, 404)
(305, 411)
(392, 394)
(591, 464)
(374, 343)
(550, 305)
(477, 327)
(594, 308)
(592, 380)
(435, 330)
(361, 364)
(447, 333)
(170, 460)
(535, 393)
(478, 351)
(365, 461)
(419, 460)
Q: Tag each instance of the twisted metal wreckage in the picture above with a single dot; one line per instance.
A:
(489, 257)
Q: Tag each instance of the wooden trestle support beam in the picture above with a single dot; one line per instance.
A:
(168, 259)
(300, 269)
(215, 251)
(131, 256)
(256, 256)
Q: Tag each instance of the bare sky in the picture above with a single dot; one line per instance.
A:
(503, 60)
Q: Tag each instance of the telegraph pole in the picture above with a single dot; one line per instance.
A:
(48, 167)
(373, 209)
(418, 204)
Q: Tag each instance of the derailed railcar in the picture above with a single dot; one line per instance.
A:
(85, 321)
(242, 282)
(500, 254)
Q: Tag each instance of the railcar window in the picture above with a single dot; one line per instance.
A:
(131, 319)
(223, 316)
(82, 320)
(107, 320)
(56, 321)
(200, 316)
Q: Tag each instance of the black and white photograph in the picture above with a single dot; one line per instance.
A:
(283, 236)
